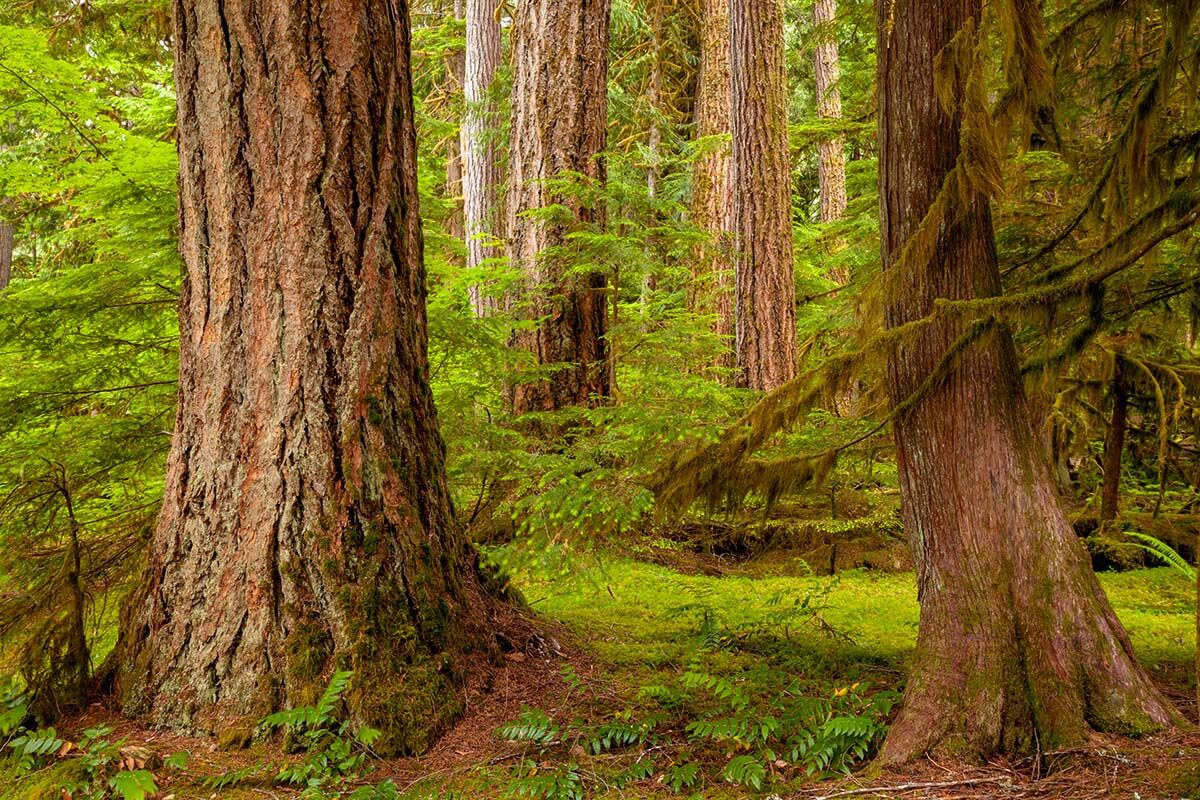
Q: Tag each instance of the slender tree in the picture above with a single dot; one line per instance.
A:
(711, 290)
(455, 78)
(765, 289)
(306, 524)
(831, 157)
(560, 68)
(6, 253)
(481, 169)
(1018, 649)
(1114, 441)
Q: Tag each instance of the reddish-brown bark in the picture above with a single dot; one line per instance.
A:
(831, 164)
(560, 85)
(764, 282)
(711, 288)
(306, 523)
(1018, 648)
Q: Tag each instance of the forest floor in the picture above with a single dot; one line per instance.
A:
(619, 640)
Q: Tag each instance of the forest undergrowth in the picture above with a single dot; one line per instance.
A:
(757, 679)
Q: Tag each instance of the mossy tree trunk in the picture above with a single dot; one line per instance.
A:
(306, 524)
(711, 288)
(559, 125)
(1018, 648)
(1114, 442)
(762, 186)
(481, 166)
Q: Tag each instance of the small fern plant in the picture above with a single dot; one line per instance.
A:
(1164, 552)
(334, 751)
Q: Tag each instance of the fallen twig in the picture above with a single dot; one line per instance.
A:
(910, 787)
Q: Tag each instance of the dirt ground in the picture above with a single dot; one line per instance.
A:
(1166, 765)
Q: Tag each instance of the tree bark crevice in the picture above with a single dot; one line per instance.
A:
(306, 524)
(765, 294)
(1018, 648)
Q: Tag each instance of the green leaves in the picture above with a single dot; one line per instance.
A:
(31, 748)
(134, 785)
(533, 725)
(1163, 552)
(745, 770)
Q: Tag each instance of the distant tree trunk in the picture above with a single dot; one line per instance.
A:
(1114, 442)
(653, 141)
(77, 665)
(6, 254)
(481, 169)
(306, 524)
(711, 289)
(455, 72)
(831, 168)
(560, 84)
(1018, 648)
(765, 288)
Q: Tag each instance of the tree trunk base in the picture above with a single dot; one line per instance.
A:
(1042, 671)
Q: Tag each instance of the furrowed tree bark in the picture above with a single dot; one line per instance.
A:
(1018, 648)
(560, 84)
(765, 288)
(306, 524)
(711, 288)
(1114, 442)
(481, 169)
(831, 157)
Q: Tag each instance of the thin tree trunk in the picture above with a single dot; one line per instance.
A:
(306, 524)
(765, 288)
(653, 144)
(711, 288)
(1114, 443)
(6, 254)
(560, 84)
(481, 169)
(77, 663)
(1018, 648)
(455, 72)
(831, 169)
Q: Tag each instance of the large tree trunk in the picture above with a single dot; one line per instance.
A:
(1018, 648)
(765, 288)
(481, 169)
(711, 288)
(1114, 442)
(560, 84)
(6, 254)
(306, 524)
(831, 157)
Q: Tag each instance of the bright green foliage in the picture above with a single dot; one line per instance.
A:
(333, 750)
(1085, 126)
(1164, 552)
(88, 361)
(95, 768)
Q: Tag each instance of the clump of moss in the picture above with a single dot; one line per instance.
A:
(235, 737)
(307, 650)
(44, 784)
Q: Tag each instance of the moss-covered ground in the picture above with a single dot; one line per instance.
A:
(630, 631)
